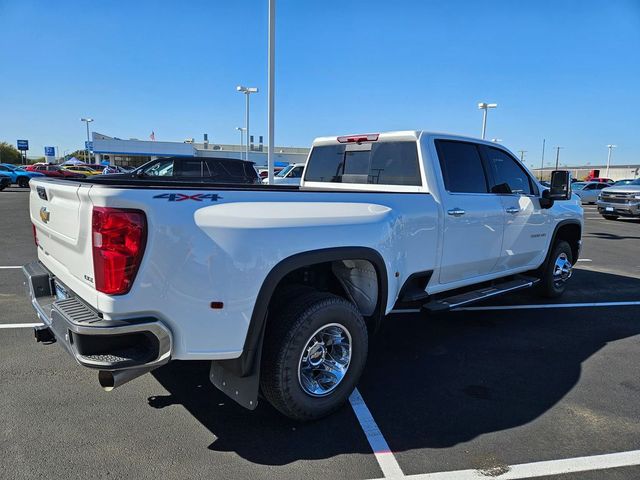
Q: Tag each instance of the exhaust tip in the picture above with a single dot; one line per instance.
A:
(107, 380)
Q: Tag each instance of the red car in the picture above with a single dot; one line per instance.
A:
(600, 180)
(53, 171)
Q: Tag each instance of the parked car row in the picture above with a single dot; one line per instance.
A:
(17, 175)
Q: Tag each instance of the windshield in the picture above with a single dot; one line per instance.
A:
(284, 171)
(627, 182)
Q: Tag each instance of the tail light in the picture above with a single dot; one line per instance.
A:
(35, 234)
(119, 238)
(369, 137)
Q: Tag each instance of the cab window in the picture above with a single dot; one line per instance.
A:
(508, 175)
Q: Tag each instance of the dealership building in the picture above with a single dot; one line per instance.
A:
(134, 152)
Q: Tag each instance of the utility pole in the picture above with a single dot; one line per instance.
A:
(558, 156)
(522, 152)
(544, 140)
(610, 147)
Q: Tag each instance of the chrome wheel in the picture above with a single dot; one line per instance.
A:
(562, 270)
(325, 360)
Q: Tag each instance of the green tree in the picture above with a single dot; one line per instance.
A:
(79, 154)
(9, 154)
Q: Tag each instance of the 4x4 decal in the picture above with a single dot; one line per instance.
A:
(180, 197)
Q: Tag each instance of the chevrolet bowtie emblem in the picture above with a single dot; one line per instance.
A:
(44, 214)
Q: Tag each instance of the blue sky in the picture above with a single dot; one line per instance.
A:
(567, 71)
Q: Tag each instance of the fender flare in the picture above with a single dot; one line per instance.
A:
(246, 364)
(561, 224)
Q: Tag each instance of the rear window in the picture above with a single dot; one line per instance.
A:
(383, 163)
(232, 170)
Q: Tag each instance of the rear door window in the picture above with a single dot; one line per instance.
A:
(462, 169)
(382, 163)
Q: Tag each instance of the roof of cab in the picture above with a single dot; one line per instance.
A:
(399, 135)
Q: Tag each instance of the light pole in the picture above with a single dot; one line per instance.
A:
(271, 88)
(241, 130)
(484, 107)
(247, 91)
(610, 147)
(87, 120)
(558, 156)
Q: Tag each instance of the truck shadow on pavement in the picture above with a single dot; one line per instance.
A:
(429, 383)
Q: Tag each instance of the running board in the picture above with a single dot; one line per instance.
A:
(473, 296)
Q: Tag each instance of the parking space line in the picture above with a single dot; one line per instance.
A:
(540, 469)
(9, 267)
(20, 325)
(387, 461)
(585, 260)
(552, 305)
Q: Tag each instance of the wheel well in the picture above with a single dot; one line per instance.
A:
(570, 233)
(356, 280)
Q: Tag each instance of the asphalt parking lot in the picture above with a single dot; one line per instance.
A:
(506, 392)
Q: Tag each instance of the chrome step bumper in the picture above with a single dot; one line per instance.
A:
(93, 341)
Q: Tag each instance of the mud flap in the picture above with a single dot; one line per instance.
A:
(227, 376)
(244, 390)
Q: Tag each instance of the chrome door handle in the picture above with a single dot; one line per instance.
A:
(513, 210)
(456, 212)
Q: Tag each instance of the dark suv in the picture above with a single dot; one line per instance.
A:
(195, 169)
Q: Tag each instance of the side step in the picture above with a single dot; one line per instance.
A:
(441, 305)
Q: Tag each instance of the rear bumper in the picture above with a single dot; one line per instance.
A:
(622, 209)
(91, 340)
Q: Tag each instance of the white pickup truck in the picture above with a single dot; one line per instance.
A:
(280, 286)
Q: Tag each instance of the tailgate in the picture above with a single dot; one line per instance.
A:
(60, 211)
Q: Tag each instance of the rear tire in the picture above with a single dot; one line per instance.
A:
(23, 182)
(557, 271)
(610, 217)
(315, 349)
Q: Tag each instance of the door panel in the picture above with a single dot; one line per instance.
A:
(473, 239)
(473, 217)
(525, 232)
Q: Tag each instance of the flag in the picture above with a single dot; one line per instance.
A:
(152, 136)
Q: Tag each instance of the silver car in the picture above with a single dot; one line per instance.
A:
(620, 201)
(588, 191)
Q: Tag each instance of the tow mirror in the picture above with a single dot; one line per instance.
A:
(560, 185)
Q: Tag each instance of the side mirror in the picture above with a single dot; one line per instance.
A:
(560, 185)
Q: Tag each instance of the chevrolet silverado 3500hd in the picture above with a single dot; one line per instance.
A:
(280, 286)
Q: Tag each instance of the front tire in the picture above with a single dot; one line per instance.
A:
(314, 352)
(557, 271)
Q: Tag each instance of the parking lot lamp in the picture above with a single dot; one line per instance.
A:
(241, 130)
(484, 107)
(87, 120)
(247, 91)
(610, 147)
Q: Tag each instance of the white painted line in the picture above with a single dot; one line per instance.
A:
(384, 455)
(9, 267)
(20, 325)
(553, 305)
(585, 260)
(540, 469)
